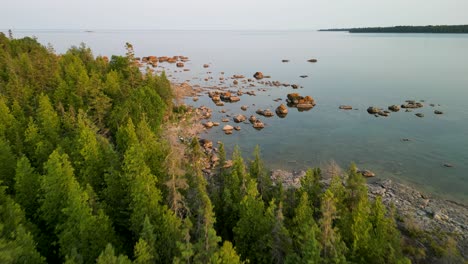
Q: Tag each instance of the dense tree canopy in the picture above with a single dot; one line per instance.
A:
(87, 177)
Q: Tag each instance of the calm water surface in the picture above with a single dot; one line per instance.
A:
(361, 70)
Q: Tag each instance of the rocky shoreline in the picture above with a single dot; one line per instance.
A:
(430, 214)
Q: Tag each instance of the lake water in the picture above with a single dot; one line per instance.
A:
(361, 70)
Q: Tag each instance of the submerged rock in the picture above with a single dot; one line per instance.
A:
(394, 108)
(412, 104)
(234, 99)
(345, 107)
(438, 112)
(312, 60)
(383, 113)
(419, 114)
(208, 124)
(239, 118)
(373, 110)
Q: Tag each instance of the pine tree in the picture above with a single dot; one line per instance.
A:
(37, 147)
(66, 212)
(27, 184)
(259, 173)
(108, 257)
(7, 164)
(226, 255)
(333, 248)
(48, 120)
(145, 201)
(305, 234)
(385, 245)
(145, 248)
(16, 243)
(252, 234)
(310, 184)
(281, 243)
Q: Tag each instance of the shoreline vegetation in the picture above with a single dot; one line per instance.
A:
(440, 29)
(100, 163)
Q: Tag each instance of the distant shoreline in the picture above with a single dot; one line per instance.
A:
(442, 29)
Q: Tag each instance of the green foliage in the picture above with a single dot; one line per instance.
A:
(305, 234)
(27, 184)
(252, 231)
(89, 176)
(108, 257)
(7, 164)
(16, 243)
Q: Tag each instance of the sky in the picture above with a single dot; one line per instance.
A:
(222, 14)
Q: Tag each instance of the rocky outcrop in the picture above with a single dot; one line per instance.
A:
(373, 110)
(239, 118)
(366, 173)
(206, 65)
(180, 64)
(205, 143)
(244, 107)
(394, 108)
(312, 60)
(258, 75)
(257, 124)
(228, 129)
(438, 112)
(300, 102)
(412, 104)
(281, 110)
(234, 99)
(252, 119)
(204, 112)
(208, 124)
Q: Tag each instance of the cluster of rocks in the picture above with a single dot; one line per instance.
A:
(153, 60)
(409, 105)
(377, 111)
(217, 96)
(212, 158)
(300, 102)
(204, 112)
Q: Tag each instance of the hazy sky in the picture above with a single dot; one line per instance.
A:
(221, 14)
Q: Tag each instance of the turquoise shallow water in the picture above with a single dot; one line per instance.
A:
(356, 69)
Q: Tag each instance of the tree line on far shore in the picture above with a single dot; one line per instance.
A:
(453, 29)
(86, 176)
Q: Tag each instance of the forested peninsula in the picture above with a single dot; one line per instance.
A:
(452, 29)
(89, 174)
